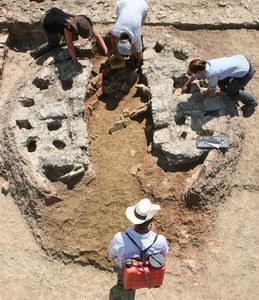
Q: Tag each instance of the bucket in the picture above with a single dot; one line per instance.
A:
(117, 62)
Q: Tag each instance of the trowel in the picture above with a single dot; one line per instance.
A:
(117, 62)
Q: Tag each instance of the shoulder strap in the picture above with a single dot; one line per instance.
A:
(142, 252)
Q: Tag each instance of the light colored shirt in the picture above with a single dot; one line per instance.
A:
(130, 17)
(220, 68)
(121, 247)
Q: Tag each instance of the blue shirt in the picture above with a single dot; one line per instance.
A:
(220, 68)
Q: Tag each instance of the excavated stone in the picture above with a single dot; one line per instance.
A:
(45, 130)
(175, 137)
(134, 169)
(118, 125)
(179, 119)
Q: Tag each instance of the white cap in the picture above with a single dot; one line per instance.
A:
(124, 47)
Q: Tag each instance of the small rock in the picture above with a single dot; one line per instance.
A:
(118, 126)
(149, 148)
(3, 39)
(189, 263)
(179, 289)
(95, 104)
(222, 4)
(178, 92)
(97, 81)
(161, 15)
(184, 234)
(134, 170)
(126, 112)
(139, 111)
(180, 54)
(133, 152)
(166, 35)
(5, 188)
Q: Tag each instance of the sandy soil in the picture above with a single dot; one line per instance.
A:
(225, 267)
(231, 259)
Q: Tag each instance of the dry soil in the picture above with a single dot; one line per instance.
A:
(214, 258)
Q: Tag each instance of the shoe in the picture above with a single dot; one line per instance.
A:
(248, 107)
(34, 54)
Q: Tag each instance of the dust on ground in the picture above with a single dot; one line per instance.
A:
(231, 259)
(229, 266)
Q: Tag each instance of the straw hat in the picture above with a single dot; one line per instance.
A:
(143, 211)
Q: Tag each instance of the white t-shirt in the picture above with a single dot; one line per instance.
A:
(217, 69)
(130, 16)
(121, 247)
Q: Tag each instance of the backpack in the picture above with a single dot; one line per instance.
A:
(146, 272)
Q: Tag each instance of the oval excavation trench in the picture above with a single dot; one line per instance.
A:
(81, 226)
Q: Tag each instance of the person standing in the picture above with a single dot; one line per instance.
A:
(231, 74)
(57, 23)
(143, 232)
(126, 33)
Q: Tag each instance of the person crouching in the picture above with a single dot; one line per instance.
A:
(57, 23)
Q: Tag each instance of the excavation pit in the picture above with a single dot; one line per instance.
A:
(73, 228)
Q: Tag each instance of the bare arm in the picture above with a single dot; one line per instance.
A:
(113, 43)
(71, 49)
(100, 41)
(187, 84)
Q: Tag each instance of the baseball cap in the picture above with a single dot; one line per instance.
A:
(124, 47)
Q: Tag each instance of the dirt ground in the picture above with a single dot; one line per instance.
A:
(231, 262)
(66, 225)
(216, 262)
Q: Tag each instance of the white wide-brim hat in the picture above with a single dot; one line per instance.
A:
(143, 211)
